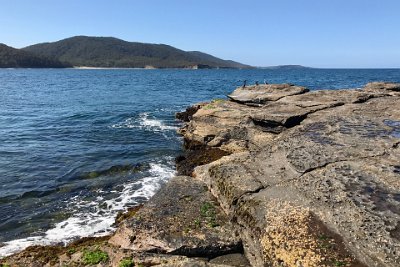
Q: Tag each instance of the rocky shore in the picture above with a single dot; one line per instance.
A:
(275, 176)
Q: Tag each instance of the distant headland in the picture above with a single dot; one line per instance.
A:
(108, 52)
(286, 67)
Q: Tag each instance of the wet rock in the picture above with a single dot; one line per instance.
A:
(131, 212)
(186, 163)
(182, 219)
(187, 115)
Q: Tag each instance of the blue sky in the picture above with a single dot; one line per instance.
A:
(318, 33)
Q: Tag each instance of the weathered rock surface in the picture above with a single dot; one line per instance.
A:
(378, 86)
(313, 178)
(182, 219)
(260, 94)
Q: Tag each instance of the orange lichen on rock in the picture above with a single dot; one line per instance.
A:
(295, 237)
(288, 238)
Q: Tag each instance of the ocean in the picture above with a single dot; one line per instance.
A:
(77, 146)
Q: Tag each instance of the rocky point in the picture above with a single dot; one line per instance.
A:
(277, 175)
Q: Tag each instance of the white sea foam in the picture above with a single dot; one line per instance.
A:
(154, 124)
(96, 218)
(145, 122)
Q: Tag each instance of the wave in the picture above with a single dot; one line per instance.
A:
(96, 217)
(145, 122)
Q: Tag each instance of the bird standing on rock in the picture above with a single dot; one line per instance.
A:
(244, 84)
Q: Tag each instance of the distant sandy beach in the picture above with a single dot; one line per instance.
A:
(104, 68)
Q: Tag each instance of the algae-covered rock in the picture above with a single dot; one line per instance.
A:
(182, 219)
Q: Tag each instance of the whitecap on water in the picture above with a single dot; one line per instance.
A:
(96, 218)
(145, 122)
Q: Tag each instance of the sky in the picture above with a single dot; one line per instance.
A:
(315, 33)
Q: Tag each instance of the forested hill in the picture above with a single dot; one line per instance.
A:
(16, 58)
(113, 52)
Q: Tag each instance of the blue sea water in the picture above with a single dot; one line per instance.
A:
(78, 146)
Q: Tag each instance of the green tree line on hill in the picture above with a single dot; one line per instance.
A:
(109, 52)
(16, 58)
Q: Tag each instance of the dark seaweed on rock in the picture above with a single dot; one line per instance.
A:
(187, 114)
(186, 163)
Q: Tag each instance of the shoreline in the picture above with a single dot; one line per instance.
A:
(216, 68)
(267, 180)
